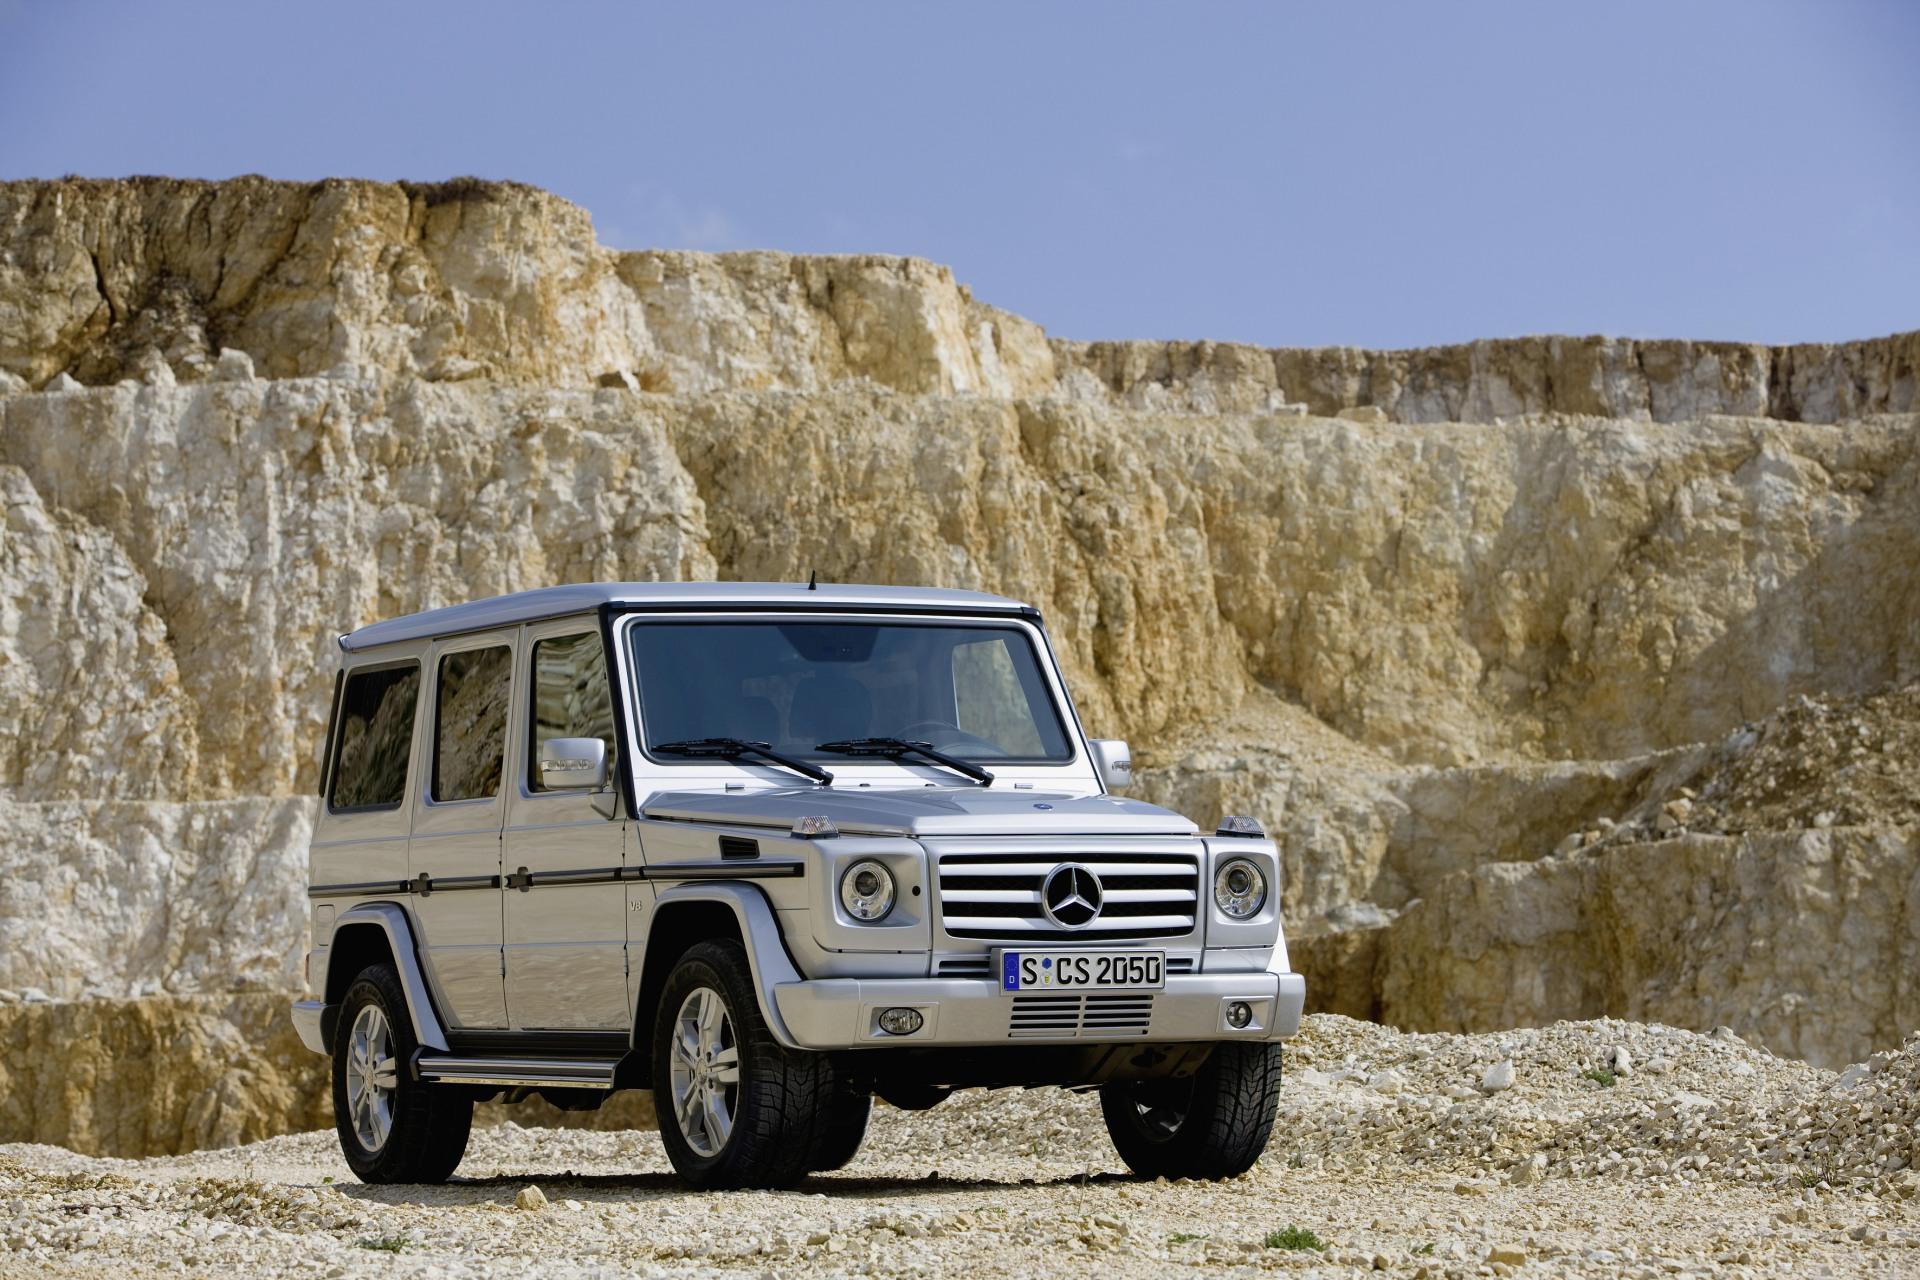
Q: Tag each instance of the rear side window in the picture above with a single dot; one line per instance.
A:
(376, 737)
(571, 698)
(470, 723)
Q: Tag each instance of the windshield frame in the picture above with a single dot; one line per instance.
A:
(865, 769)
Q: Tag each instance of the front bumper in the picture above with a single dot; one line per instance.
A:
(307, 1016)
(843, 1013)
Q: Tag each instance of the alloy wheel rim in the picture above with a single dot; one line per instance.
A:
(372, 1078)
(704, 1071)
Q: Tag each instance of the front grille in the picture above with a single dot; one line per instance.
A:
(997, 895)
(982, 966)
(1118, 1013)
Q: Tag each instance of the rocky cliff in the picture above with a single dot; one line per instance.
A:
(1436, 615)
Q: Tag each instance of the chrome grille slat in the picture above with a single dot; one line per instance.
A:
(982, 966)
(1105, 927)
(1094, 1014)
(1026, 865)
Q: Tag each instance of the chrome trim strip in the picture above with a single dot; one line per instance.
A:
(584, 875)
(523, 880)
(366, 888)
(454, 883)
(766, 869)
(573, 1073)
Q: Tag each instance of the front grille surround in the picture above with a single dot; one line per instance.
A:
(988, 892)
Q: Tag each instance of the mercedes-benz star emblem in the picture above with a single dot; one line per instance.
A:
(1071, 896)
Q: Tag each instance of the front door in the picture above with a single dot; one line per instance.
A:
(454, 855)
(566, 927)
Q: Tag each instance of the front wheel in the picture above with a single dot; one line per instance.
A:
(736, 1109)
(1213, 1125)
(393, 1128)
(845, 1129)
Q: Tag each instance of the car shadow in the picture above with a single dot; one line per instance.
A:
(611, 1188)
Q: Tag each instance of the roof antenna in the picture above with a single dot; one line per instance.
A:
(813, 579)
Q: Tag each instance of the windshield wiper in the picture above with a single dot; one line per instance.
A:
(737, 749)
(894, 748)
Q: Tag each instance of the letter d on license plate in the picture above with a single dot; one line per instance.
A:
(1082, 970)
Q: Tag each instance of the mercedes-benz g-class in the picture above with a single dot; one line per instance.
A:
(770, 851)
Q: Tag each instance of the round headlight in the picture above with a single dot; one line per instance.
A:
(866, 890)
(1240, 888)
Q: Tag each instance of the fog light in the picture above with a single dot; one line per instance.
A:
(1239, 1014)
(902, 1022)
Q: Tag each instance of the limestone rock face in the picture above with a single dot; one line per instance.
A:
(1459, 625)
(122, 898)
(143, 1077)
(1450, 596)
(1659, 381)
(458, 281)
(1803, 941)
(264, 518)
(167, 1074)
(73, 605)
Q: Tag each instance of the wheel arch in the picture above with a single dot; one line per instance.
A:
(372, 933)
(691, 913)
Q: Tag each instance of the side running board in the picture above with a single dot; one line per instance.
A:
(570, 1073)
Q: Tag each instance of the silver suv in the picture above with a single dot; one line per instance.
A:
(768, 850)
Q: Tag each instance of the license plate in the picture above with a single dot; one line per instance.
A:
(1083, 970)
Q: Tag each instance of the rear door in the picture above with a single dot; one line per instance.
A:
(565, 907)
(458, 811)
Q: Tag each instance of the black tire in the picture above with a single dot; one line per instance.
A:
(843, 1132)
(1213, 1125)
(779, 1102)
(428, 1124)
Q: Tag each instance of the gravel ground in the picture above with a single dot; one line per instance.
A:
(1617, 1149)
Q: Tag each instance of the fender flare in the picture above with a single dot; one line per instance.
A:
(759, 931)
(392, 919)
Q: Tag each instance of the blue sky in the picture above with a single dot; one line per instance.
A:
(1373, 174)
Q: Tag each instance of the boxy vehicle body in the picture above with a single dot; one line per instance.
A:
(584, 839)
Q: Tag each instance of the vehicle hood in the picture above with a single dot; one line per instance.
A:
(925, 811)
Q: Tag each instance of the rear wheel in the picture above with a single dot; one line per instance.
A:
(392, 1127)
(1214, 1124)
(736, 1109)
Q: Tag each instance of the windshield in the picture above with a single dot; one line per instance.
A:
(973, 691)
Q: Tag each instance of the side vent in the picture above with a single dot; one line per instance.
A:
(739, 847)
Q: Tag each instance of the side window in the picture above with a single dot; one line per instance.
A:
(470, 723)
(571, 698)
(989, 701)
(376, 737)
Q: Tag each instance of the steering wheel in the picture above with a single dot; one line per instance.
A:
(950, 736)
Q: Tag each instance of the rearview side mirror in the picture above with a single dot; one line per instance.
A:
(573, 764)
(1113, 762)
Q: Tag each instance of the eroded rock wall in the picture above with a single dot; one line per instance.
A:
(1460, 595)
(1802, 940)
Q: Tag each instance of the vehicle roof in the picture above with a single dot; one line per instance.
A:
(585, 597)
